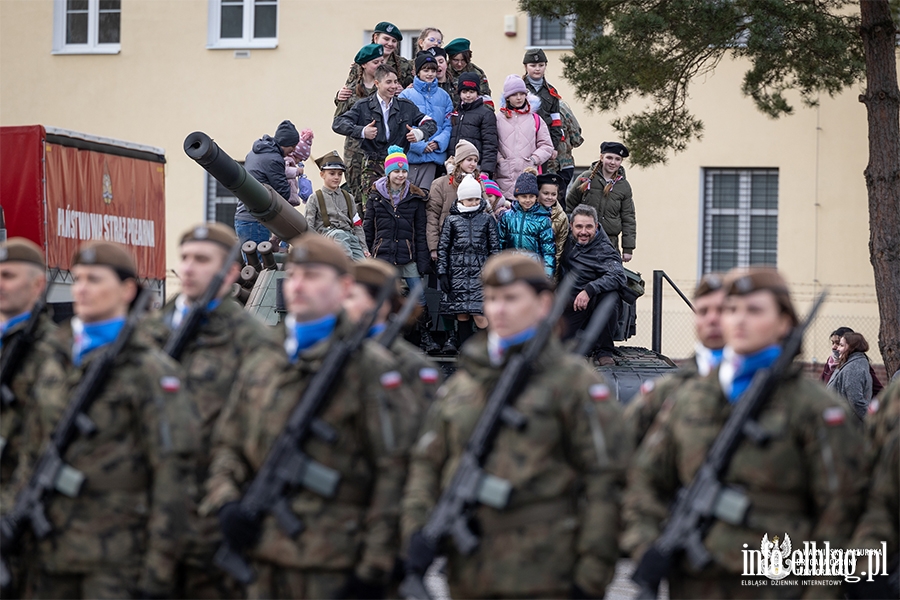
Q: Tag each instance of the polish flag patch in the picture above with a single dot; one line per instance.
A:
(357, 222)
(428, 375)
(647, 387)
(391, 380)
(834, 416)
(873, 406)
(599, 392)
(170, 384)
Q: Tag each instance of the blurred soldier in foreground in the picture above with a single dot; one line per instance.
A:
(806, 479)
(708, 299)
(226, 339)
(419, 372)
(556, 538)
(119, 537)
(350, 542)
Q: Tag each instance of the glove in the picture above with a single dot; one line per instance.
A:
(420, 555)
(445, 282)
(358, 588)
(576, 593)
(240, 530)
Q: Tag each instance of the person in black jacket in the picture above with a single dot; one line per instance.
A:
(599, 272)
(475, 122)
(382, 121)
(265, 163)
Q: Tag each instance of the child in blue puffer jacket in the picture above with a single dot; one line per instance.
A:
(425, 156)
(527, 224)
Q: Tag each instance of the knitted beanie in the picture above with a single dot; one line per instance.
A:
(526, 184)
(304, 146)
(286, 135)
(465, 149)
(490, 186)
(396, 159)
(513, 85)
(468, 188)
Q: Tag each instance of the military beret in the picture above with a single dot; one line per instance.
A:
(510, 266)
(436, 51)
(19, 249)
(553, 178)
(375, 273)
(743, 281)
(390, 29)
(456, 46)
(332, 160)
(211, 232)
(534, 56)
(709, 283)
(368, 53)
(311, 247)
(106, 254)
(614, 148)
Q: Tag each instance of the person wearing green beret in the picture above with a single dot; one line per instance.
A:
(389, 36)
(459, 55)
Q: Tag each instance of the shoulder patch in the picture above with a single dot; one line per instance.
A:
(170, 384)
(428, 375)
(647, 386)
(599, 392)
(834, 416)
(873, 406)
(391, 380)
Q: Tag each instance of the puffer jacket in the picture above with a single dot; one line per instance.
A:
(597, 266)
(476, 123)
(616, 211)
(441, 197)
(434, 102)
(529, 230)
(265, 163)
(396, 234)
(468, 239)
(523, 141)
(853, 382)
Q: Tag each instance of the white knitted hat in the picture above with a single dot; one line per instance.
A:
(468, 188)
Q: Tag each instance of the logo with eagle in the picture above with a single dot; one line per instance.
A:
(775, 556)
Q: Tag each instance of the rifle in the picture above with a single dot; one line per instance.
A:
(287, 467)
(588, 336)
(187, 329)
(50, 473)
(18, 348)
(470, 485)
(398, 320)
(706, 499)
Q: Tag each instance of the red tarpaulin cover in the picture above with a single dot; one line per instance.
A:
(21, 182)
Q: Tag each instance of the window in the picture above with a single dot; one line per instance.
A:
(220, 202)
(551, 33)
(243, 24)
(86, 26)
(407, 46)
(740, 218)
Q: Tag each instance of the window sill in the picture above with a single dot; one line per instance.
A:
(105, 49)
(536, 46)
(268, 44)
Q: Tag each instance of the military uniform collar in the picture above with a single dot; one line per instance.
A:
(476, 360)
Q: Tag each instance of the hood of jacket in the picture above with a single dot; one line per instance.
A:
(409, 190)
(534, 103)
(266, 145)
(424, 88)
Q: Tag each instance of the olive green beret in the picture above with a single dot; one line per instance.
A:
(211, 232)
(709, 283)
(376, 273)
(534, 56)
(456, 46)
(390, 29)
(742, 281)
(106, 254)
(314, 248)
(19, 249)
(510, 266)
(369, 52)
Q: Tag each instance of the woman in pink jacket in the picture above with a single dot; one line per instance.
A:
(524, 140)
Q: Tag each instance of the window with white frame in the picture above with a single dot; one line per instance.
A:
(242, 24)
(551, 33)
(87, 26)
(221, 203)
(740, 218)
(407, 44)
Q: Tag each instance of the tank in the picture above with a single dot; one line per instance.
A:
(265, 204)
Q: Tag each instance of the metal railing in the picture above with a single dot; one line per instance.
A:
(658, 276)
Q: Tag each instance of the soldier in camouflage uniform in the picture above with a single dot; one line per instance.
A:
(226, 340)
(558, 535)
(350, 542)
(388, 35)
(459, 58)
(708, 299)
(419, 372)
(119, 537)
(808, 480)
(535, 62)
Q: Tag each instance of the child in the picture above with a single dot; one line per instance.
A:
(527, 224)
(333, 213)
(475, 123)
(535, 62)
(550, 186)
(468, 238)
(523, 138)
(443, 190)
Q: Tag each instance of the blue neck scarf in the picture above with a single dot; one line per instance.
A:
(376, 329)
(498, 346)
(4, 327)
(301, 336)
(90, 336)
(747, 366)
(182, 308)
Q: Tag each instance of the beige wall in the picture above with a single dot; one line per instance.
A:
(165, 84)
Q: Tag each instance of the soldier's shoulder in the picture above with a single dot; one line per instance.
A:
(374, 359)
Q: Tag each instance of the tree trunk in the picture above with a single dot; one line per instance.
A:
(882, 100)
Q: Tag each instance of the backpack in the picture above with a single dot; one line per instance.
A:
(571, 126)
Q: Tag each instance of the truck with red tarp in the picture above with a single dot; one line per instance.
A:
(60, 188)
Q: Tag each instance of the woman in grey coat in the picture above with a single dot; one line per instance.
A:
(851, 379)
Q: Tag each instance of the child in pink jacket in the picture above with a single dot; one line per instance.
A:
(524, 140)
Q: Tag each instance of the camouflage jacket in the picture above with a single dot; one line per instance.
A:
(808, 481)
(403, 66)
(134, 504)
(13, 417)
(226, 343)
(549, 110)
(566, 468)
(374, 418)
(642, 410)
(420, 373)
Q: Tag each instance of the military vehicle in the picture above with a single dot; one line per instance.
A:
(259, 287)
